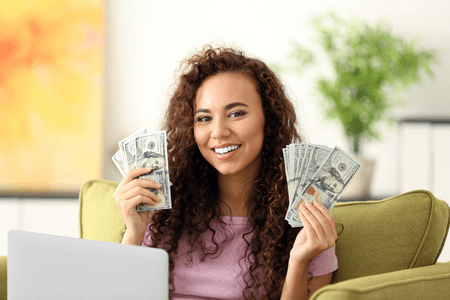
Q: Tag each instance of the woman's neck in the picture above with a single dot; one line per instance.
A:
(237, 192)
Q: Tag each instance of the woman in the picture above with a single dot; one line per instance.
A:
(226, 235)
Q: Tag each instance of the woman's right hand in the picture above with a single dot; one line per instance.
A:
(130, 193)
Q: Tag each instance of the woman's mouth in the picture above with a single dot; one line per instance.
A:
(226, 150)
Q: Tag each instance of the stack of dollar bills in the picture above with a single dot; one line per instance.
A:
(144, 149)
(316, 173)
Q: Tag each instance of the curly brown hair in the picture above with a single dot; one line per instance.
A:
(195, 190)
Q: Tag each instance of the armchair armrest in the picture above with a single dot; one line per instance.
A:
(429, 282)
(3, 272)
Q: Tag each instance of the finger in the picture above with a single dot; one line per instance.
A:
(140, 199)
(140, 191)
(303, 214)
(310, 232)
(328, 227)
(314, 218)
(137, 172)
(144, 183)
(130, 176)
(327, 214)
(323, 215)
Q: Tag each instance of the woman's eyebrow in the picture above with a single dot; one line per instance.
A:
(226, 107)
(234, 104)
(202, 110)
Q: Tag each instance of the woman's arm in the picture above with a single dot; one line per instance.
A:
(317, 282)
(318, 234)
(296, 284)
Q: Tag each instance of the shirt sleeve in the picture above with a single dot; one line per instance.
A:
(324, 263)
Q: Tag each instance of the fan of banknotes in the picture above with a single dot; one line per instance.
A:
(316, 173)
(144, 149)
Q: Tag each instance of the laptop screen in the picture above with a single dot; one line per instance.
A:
(42, 266)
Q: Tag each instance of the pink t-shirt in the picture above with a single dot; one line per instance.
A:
(220, 276)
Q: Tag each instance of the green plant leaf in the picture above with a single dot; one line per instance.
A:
(369, 61)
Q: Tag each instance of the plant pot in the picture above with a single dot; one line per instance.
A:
(359, 187)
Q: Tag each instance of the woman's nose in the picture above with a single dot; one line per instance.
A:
(220, 129)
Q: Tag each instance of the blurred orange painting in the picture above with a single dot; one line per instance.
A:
(50, 95)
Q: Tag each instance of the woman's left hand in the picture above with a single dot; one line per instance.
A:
(317, 235)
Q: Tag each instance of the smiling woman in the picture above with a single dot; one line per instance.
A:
(227, 123)
(50, 95)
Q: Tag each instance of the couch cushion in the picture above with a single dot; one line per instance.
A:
(397, 233)
(100, 218)
(430, 282)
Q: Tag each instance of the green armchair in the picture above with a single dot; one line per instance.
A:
(388, 249)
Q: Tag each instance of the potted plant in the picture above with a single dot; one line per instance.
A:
(371, 67)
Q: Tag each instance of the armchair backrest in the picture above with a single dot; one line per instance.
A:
(100, 218)
(402, 232)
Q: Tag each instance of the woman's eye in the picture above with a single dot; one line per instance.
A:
(204, 119)
(236, 114)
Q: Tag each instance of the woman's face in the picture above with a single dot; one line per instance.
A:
(229, 123)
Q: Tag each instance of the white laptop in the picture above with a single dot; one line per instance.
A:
(42, 266)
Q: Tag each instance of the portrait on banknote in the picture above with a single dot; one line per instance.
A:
(152, 160)
(331, 181)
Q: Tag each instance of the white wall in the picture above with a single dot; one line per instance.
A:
(146, 40)
(150, 38)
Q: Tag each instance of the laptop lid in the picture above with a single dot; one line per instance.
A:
(43, 266)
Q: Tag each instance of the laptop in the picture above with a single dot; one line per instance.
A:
(43, 266)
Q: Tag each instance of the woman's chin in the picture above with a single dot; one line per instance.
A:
(226, 171)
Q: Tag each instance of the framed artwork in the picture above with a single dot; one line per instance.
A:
(51, 63)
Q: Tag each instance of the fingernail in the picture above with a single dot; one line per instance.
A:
(159, 199)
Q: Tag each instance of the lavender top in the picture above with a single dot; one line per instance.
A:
(220, 276)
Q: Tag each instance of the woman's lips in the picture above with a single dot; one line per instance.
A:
(226, 155)
(226, 149)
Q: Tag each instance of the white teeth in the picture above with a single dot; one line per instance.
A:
(226, 149)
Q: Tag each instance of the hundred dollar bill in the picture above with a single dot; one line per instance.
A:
(286, 163)
(328, 182)
(294, 154)
(305, 162)
(117, 158)
(299, 176)
(316, 157)
(151, 151)
(128, 148)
